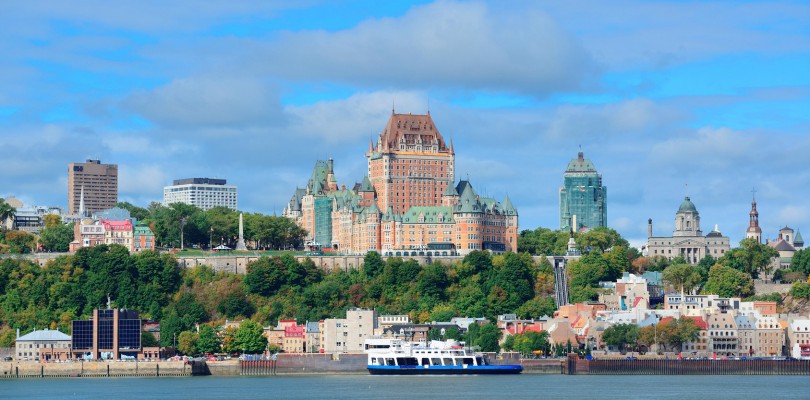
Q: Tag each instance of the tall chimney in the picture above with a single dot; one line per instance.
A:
(649, 228)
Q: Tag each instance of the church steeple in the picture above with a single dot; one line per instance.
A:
(754, 231)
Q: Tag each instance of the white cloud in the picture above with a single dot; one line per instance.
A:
(361, 115)
(444, 44)
(603, 122)
(224, 102)
(137, 179)
(633, 34)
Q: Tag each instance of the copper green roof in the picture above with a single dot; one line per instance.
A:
(365, 185)
(389, 214)
(468, 201)
(430, 215)
(580, 164)
(797, 239)
(508, 208)
(450, 191)
(687, 206)
(319, 175)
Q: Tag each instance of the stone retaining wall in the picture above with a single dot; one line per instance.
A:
(93, 369)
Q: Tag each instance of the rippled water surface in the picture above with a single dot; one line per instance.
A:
(524, 386)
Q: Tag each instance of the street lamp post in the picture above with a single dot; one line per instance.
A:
(655, 335)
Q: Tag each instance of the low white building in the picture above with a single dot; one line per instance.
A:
(799, 339)
(42, 345)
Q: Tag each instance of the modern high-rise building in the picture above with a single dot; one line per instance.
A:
(94, 183)
(205, 193)
(410, 165)
(583, 199)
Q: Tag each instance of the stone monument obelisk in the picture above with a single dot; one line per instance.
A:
(240, 245)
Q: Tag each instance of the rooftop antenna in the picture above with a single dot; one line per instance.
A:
(393, 104)
(428, 105)
(686, 189)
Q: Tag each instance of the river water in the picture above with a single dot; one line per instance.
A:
(526, 386)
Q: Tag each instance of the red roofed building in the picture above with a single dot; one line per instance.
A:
(118, 232)
(294, 339)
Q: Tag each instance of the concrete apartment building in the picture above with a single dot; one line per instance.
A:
(205, 193)
(346, 335)
(94, 184)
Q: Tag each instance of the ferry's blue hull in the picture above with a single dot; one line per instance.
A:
(444, 370)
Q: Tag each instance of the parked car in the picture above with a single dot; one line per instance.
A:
(8, 358)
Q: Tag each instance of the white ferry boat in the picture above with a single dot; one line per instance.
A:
(399, 357)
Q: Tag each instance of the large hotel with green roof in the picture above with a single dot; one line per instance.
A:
(409, 204)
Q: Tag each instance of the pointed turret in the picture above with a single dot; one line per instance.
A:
(451, 146)
(798, 242)
(508, 208)
(468, 200)
(389, 215)
(365, 185)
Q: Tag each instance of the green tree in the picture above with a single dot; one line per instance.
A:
(751, 257)
(543, 241)
(148, 339)
(433, 281)
(800, 290)
(684, 277)
(249, 338)
(6, 212)
(7, 336)
(623, 336)
(235, 304)
(187, 343)
(537, 307)
(57, 237)
(801, 262)
(530, 341)
(20, 242)
(486, 337)
(139, 213)
(728, 282)
(373, 264)
(208, 342)
(600, 239)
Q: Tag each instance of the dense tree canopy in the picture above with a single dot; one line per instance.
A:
(751, 257)
(56, 237)
(683, 277)
(729, 282)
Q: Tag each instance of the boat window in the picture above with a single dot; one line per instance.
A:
(467, 361)
(435, 361)
(448, 361)
(390, 361)
(425, 361)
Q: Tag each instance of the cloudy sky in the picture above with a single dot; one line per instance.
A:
(659, 94)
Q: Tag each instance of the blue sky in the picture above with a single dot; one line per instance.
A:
(658, 94)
